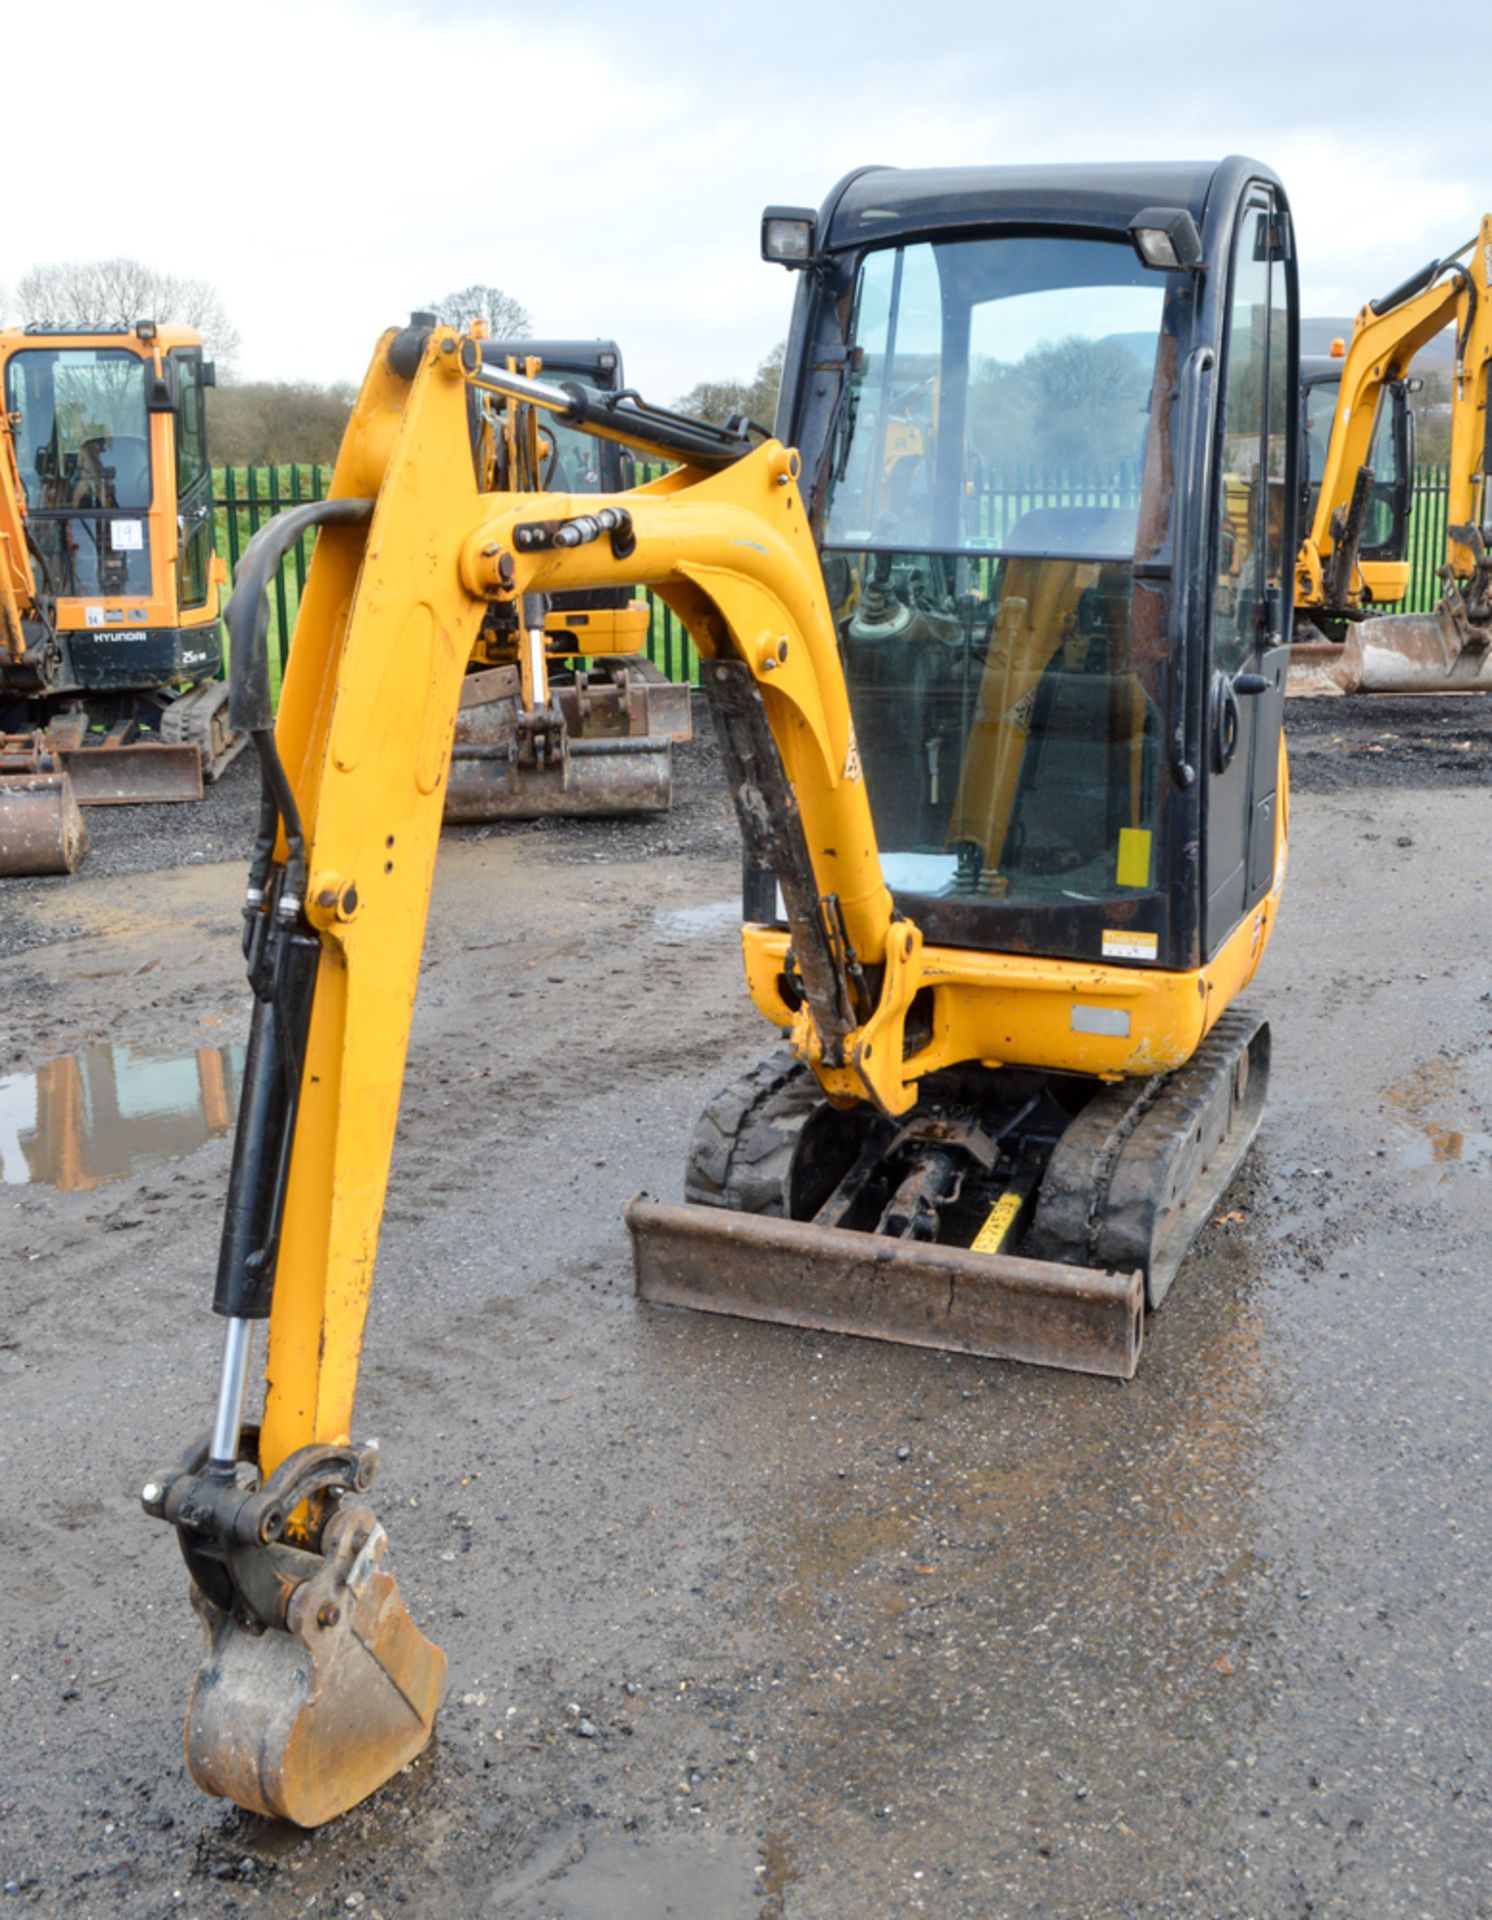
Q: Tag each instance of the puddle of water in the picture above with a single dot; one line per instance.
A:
(1438, 1146)
(682, 925)
(98, 1115)
(691, 1876)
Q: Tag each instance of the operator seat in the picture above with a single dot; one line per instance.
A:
(1061, 718)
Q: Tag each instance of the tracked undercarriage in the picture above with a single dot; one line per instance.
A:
(1017, 1215)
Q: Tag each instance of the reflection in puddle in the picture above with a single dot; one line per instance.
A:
(1439, 1146)
(683, 924)
(100, 1114)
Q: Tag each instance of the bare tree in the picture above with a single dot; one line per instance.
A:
(121, 291)
(506, 317)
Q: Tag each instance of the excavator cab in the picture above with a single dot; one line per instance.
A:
(1382, 563)
(1055, 695)
(110, 665)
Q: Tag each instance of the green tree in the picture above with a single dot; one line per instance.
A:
(269, 422)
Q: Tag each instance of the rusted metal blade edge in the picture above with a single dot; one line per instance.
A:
(998, 1306)
(141, 775)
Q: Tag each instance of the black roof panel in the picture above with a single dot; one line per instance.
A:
(881, 201)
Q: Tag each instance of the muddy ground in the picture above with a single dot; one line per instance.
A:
(750, 1623)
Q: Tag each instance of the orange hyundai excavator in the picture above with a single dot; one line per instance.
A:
(1011, 785)
(110, 639)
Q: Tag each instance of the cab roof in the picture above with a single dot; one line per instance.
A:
(879, 201)
(40, 334)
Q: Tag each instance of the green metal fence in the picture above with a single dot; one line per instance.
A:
(1426, 547)
(248, 496)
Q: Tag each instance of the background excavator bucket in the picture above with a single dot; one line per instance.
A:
(41, 829)
(1395, 653)
(598, 773)
(627, 775)
(304, 1723)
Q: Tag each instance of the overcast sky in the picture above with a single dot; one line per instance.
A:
(333, 163)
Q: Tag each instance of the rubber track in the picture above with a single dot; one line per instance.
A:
(746, 1141)
(1118, 1189)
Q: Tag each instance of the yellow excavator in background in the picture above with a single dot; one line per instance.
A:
(1380, 577)
(1011, 855)
(1342, 645)
(586, 724)
(110, 638)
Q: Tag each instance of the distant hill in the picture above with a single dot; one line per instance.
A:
(1316, 336)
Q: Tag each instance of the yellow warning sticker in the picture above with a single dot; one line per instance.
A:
(1128, 943)
(1002, 1215)
(1133, 867)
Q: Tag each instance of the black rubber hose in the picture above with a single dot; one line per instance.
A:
(250, 707)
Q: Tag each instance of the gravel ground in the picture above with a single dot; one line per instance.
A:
(744, 1622)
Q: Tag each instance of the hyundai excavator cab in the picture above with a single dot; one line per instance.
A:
(1008, 765)
(110, 639)
(586, 726)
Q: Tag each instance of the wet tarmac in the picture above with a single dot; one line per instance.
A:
(750, 1622)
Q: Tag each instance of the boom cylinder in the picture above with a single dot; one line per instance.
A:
(266, 1130)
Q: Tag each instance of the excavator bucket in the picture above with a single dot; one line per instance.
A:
(800, 1275)
(1394, 653)
(495, 777)
(593, 777)
(304, 1723)
(41, 829)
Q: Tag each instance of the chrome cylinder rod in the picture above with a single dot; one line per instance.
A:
(228, 1421)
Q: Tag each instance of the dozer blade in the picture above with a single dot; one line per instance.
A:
(134, 775)
(763, 1267)
(41, 829)
(304, 1723)
(628, 775)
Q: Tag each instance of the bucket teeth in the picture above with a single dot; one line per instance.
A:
(302, 1724)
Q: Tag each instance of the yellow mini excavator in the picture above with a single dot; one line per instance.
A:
(1342, 644)
(1012, 788)
(110, 640)
(585, 724)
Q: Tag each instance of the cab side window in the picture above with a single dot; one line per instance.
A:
(1251, 554)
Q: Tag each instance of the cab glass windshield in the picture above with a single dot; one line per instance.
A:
(1007, 675)
(83, 449)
